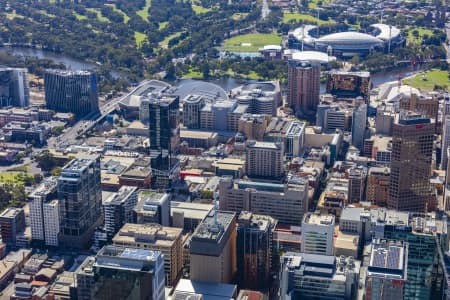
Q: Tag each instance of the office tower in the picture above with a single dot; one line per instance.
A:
(253, 126)
(259, 101)
(118, 210)
(44, 213)
(303, 87)
(14, 87)
(12, 222)
(264, 160)
(213, 248)
(188, 215)
(359, 121)
(164, 139)
(192, 106)
(167, 240)
(447, 184)
(387, 270)
(308, 276)
(80, 201)
(285, 202)
(317, 234)
(412, 151)
(121, 273)
(378, 186)
(152, 207)
(346, 85)
(254, 250)
(356, 183)
(445, 142)
(295, 139)
(71, 91)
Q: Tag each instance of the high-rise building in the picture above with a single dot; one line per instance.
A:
(359, 121)
(285, 202)
(12, 222)
(445, 143)
(317, 234)
(14, 87)
(253, 126)
(312, 276)
(213, 248)
(167, 240)
(44, 213)
(447, 184)
(152, 207)
(412, 151)
(254, 250)
(303, 87)
(118, 209)
(80, 199)
(378, 185)
(164, 139)
(192, 105)
(387, 270)
(349, 84)
(71, 91)
(356, 183)
(264, 160)
(121, 273)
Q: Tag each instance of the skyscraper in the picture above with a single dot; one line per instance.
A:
(359, 121)
(254, 250)
(44, 213)
(264, 159)
(303, 87)
(318, 234)
(118, 209)
(71, 91)
(14, 88)
(445, 143)
(412, 150)
(192, 106)
(80, 198)
(164, 139)
(12, 222)
(121, 273)
(213, 248)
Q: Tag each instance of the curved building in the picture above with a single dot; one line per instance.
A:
(260, 98)
(348, 44)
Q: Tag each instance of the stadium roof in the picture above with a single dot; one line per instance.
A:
(313, 56)
(349, 38)
(384, 31)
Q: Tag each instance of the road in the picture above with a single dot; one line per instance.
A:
(265, 11)
(81, 127)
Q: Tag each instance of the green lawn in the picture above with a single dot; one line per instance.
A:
(254, 41)
(79, 17)
(100, 17)
(239, 16)
(163, 25)
(432, 78)
(287, 17)
(165, 42)
(200, 9)
(140, 37)
(143, 13)
(193, 74)
(126, 18)
(411, 39)
(12, 177)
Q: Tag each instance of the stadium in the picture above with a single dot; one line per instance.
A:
(346, 44)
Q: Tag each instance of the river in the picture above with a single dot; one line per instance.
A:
(226, 83)
(71, 63)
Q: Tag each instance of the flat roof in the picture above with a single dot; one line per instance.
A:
(319, 219)
(191, 210)
(210, 291)
(153, 234)
(197, 134)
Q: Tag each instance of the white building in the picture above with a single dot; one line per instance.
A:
(359, 121)
(44, 213)
(317, 234)
(295, 139)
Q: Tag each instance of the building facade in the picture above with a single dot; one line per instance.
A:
(71, 91)
(14, 87)
(318, 234)
(80, 199)
(303, 87)
(254, 250)
(264, 159)
(412, 151)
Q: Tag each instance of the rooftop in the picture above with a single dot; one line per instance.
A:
(67, 72)
(209, 291)
(262, 222)
(78, 165)
(121, 196)
(264, 145)
(191, 210)
(127, 258)
(318, 219)
(11, 212)
(215, 228)
(153, 234)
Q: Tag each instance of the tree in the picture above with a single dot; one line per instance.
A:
(46, 160)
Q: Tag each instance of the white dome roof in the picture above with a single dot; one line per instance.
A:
(349, 37)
